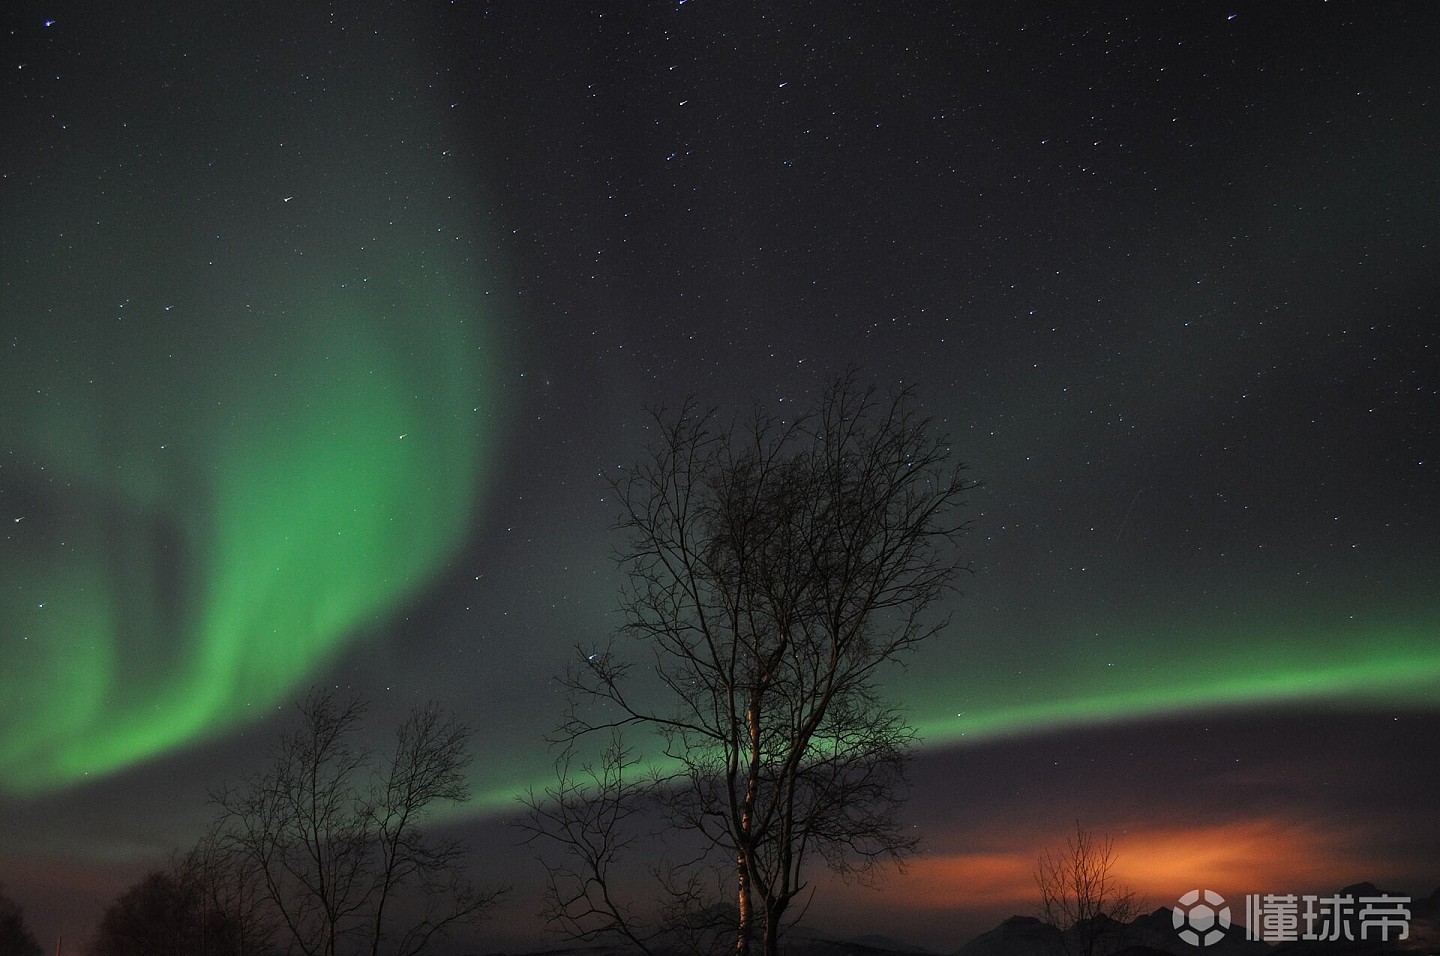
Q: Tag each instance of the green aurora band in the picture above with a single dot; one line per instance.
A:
(1395, 666)
(246, 392)
(197, 537)
(1392, 664)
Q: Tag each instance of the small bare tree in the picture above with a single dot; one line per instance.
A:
(775, 568)
(332, 835)
(230, 897)
(594, 813)
(1080, 896)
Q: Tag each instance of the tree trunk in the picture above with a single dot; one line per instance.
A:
(772, 934)
(742, 904)
(747, 819)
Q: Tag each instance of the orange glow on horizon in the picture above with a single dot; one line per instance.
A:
(1267, 854)
(1263, 855)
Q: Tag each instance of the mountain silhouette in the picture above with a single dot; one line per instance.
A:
(1155, 933)
(1151, 934)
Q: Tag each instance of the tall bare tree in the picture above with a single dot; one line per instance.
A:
(169, 913)
(775, 567)
(332, 834)
(230, 896)
(1080, 896)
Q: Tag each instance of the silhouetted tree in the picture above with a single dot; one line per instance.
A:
(332, 834)
(158, 916)
(1080, 896)
(184, 910)
(775, 567)
(231, 897)
(15, 937)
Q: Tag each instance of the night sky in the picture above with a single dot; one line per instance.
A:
(321, 326)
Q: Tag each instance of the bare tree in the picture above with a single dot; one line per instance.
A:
(234, 910)
(194, 907)
(156, 916)
(775, 568)
(167, 913)
(331, 833)
(593, 814)
(1080, 896)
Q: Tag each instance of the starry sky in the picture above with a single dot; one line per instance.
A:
(323, 324)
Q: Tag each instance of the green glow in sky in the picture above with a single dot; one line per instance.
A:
(248, 394)
(198, 519)
(1396, 664)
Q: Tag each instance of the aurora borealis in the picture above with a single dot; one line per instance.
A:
(1399, 664)
(323, 325)
(185, 553)
(219, 473)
